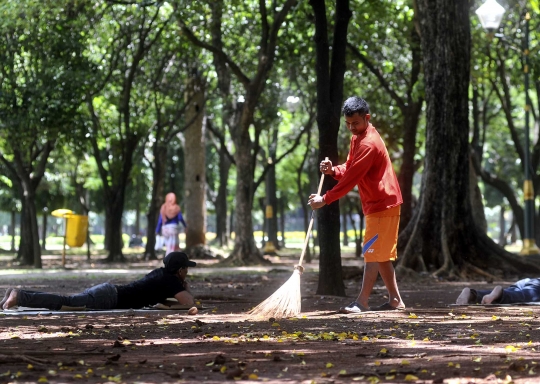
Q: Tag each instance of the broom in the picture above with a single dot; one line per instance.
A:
(286, 301)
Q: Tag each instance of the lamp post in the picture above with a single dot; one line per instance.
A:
(490, 14)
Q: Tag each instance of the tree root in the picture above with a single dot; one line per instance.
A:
(7, 359)
(475, 271)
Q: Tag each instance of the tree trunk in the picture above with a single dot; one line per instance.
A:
(272, 243)
(502, 227)
(245, 251)
(344, 205)
(444, 237)
(195, 165)
(32, 250)
(12, 233)
(44, 231)
(281, 204)
(222, 235)
(477, 203)
(158, 187)
(408, 167)
(137, 227)
(113, 226)
(330, 73)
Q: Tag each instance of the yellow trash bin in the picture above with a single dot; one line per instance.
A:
(76, 229)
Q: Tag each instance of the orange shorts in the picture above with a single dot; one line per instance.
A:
(380, 241)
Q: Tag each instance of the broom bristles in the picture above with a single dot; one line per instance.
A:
(285, 302)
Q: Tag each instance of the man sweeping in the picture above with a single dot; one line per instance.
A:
(369, 167)
(155, 287)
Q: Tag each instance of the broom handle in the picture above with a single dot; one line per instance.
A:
(306, 241)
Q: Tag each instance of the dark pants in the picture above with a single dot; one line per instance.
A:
(102, 296)
(524, 291)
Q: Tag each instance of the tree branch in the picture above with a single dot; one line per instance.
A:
(221, 139)
(377, 72)
(222, 55)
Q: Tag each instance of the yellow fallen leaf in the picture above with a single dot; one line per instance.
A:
(412, 316)
(253, 376)
(458, 365)
(216, 338)
(450, 364)
(30, 366)
(329, 365)
(343, 372)
(223, 369)
(404, 362)
(410, 377)
(510, 348)
(384, 350)
(377, 363)
(477, 359)
(390, 377)
(275, 324)
(43, 379)
(77, 376)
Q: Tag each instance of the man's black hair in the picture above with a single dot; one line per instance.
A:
(354, 105)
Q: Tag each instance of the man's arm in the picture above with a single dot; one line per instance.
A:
(185, 298)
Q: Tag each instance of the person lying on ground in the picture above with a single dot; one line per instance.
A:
(155, 287)
(523, 291)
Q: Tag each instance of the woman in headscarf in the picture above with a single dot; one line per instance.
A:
(169, 219)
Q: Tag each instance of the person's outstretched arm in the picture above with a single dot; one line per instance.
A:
(181, 219)
(159, 224)
(185, 298)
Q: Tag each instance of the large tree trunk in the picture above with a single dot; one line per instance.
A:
(444, 237)
(330, 73)
(195, 165)
(158, 186)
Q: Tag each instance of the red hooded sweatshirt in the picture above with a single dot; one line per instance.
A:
(369, 167)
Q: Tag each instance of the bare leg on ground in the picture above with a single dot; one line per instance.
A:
(464, 297)
(8, 291)
(495, 295)
(11, 300)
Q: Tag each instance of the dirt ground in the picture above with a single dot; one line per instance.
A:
(430, 342)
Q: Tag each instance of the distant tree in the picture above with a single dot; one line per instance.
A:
(118, 105)
(43, 76)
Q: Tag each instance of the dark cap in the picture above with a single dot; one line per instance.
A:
(176, 260)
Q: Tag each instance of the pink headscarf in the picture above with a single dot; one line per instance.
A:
(169, 209)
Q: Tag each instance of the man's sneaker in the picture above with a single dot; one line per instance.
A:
(353, 307)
